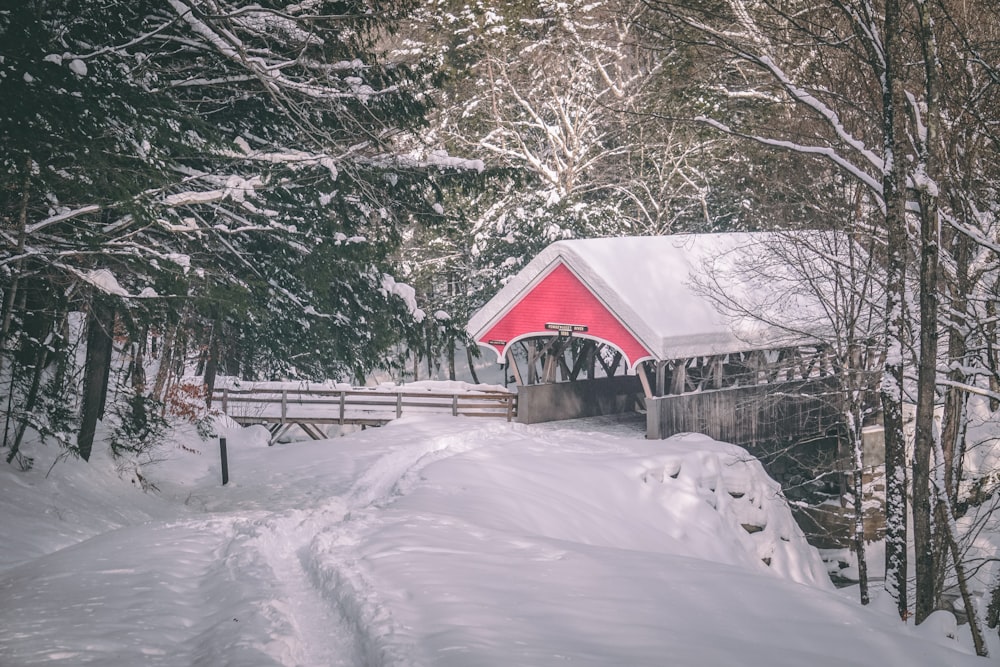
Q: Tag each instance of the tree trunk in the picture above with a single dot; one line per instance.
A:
(926, 563)
(472, 367)
(41, 360)
(963, 586)
(212, 365)
(991, 346)
(928, 560)
(167, 350)
(10, 294)
(139, 363)
(894, 196)
(945, 519)
(98, 365)
(858, 473)
(954, 417)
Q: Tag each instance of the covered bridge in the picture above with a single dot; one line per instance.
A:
(669, 325)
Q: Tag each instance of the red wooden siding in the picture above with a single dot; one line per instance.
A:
(561, 298)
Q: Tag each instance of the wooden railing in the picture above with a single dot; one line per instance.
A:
(366, 407)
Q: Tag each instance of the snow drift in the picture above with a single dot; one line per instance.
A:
(432, 541)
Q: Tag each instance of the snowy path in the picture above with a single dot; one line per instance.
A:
(319, 636)
(318, 610)
(232, 566)
(430, 543)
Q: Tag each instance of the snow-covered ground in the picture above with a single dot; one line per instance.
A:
(431, 541)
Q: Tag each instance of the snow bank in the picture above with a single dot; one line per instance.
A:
(432, 541)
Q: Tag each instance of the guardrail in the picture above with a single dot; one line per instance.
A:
(280, 408)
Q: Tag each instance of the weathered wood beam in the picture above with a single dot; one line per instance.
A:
(314, 432)
(809, 362)
(644, 379)
(774, 370)
(532, 354)
(552, 350)
(549, 368)
(564, 370)
(614, 363)
(661, 377)
(679, 377)
(758, 364)
(549, 344)
(512, 365)
(716, 369)
(604, 365)
(581, 359)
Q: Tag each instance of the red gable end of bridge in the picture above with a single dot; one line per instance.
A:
(561, 298)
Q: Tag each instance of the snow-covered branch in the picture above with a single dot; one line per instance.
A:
(61, 217)
(871, 182)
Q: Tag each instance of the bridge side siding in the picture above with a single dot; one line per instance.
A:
(537, 403)
(746, 415)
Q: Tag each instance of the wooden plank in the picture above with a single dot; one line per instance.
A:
(550, 352)
(532, 355)
(715, 371)
(617, 359)
(311, 431)
(609, 369)
(512, 364)
(641, 372)
(581, 359)
(484, 404)
(276, 394)
(480, 414)
(373, 421)
(564, 370)
(678, 378)
(377, 407)
(390, 403)
(744, 415)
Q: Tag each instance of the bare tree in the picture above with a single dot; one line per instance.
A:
(822, 288)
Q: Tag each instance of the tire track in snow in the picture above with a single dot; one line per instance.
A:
(328, 613)
(320, 638)
(334, 558)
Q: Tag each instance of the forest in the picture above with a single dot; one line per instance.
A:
(326, 189)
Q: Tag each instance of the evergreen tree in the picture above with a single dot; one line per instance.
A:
(229, 175)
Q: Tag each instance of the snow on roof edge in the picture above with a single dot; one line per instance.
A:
(626, 286)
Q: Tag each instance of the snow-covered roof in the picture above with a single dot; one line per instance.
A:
(669, 291)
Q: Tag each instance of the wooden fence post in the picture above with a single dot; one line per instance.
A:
(225, 461)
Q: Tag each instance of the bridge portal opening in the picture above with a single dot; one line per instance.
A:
(568, 377)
